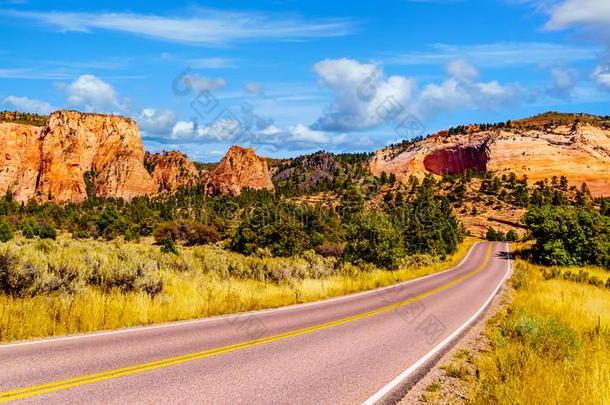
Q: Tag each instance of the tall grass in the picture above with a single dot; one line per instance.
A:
(69, 286)
(551, 346)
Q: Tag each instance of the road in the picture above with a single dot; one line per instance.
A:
(351, 349)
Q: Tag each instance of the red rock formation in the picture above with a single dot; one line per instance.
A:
(19, 160)
(50, 163)
(172, 170)
(109, 147)
(577, 147)
(240, 168)
(456, 160)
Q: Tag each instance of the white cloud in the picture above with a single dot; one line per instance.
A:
(212, 63)
(253, 88)
(93, 94)
(570, 13)
(25, 104)
(601, 76)
(156, 121)
(360, 89)
(499, 54)
(206, 26)
(201, 83)
(462, 70)
(462, 90)
(365, 98)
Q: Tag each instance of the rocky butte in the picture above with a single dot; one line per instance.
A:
(573, 145)
(173, 170)
(240, 168)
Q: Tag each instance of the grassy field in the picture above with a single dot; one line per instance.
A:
(68, 286)
(552, 344)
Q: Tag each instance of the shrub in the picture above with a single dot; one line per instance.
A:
(198, 234)
(47, 232)
(493, 235)
(331, 249)
(512, 236)
(166, 228)
(168, 245)
(15, 280)
(6, 233)
(29, 228)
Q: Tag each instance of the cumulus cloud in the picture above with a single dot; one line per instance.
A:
(25, 104)
(365, 98)
(571, 13)
(462, 89)
(93, 94)
(156, 121)
(462, 70)
(359, 90)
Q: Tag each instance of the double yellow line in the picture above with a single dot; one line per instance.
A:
(153, 365)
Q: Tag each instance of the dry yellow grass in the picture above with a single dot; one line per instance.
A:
(552, 346)
(201, 282)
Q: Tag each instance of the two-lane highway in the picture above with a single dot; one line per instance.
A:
(347, 350)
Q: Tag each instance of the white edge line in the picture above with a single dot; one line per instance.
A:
(240, 314)
(405, 374)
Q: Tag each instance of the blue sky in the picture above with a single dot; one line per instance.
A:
(292, 77)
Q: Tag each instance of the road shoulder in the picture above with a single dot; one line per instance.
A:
(451, 377)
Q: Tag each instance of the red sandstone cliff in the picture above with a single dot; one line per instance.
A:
(240, 168)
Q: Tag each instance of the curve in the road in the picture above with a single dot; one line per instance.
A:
(432, 286)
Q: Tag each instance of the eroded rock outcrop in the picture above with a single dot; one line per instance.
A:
(172, 170)
(108, 148)
(51, 163)
(240, 168)
(577, 147)
(457, 160)
(19, 160)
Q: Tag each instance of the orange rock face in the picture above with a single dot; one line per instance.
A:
(108, 147)
(172, 170)
(580, 151)
(240, 168)
(50, 163)
(19, 160)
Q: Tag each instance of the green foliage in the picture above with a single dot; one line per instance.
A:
(570, 235)
(47, 232)
(493, 235)
(6, 233)
(285, 228)
(372, 238)
(512, 236)
(427, 223)
(168, 245)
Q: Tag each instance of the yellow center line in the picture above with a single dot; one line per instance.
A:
(153, 365)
